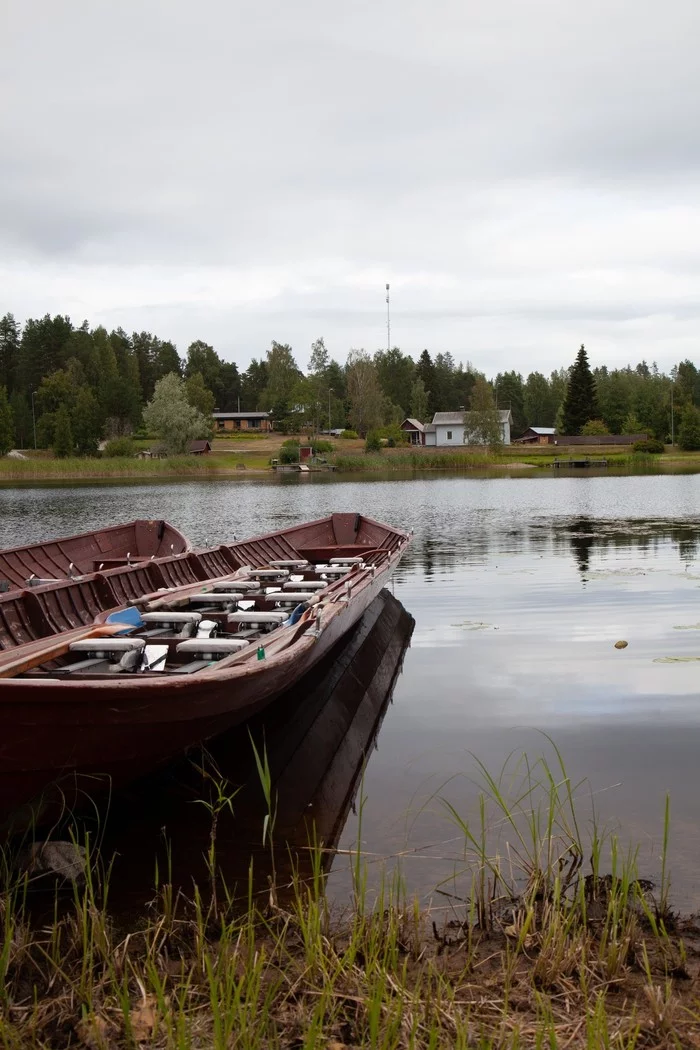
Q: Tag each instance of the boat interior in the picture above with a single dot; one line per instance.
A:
(38, 611)
(189, 612)
(188, 632)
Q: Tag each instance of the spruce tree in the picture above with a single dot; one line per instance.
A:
(580, 403)
(7, 427)
(425, 370)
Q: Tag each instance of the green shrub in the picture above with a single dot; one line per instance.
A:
(593, 427)
(394, 435)
(350, 435)
(322, 446)
(652, 445)
(291, 443)
(122, 446)
(289, 453)
(373, 442)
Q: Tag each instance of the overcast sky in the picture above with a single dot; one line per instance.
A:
(523, 172)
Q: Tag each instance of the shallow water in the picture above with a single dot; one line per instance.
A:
(519, 588)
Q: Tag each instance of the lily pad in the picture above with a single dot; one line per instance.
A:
(677, 659)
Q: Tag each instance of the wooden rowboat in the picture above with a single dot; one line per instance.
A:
(191, 661)
(73, 556)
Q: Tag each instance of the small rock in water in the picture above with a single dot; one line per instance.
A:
(622, 644)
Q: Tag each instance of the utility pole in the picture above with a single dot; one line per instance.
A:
(672, 441)
(388, 321)
(330, 391)
(34, 418)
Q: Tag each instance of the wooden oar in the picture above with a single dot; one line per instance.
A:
(57, 647)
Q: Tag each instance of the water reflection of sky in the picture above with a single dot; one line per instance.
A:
(519, 588)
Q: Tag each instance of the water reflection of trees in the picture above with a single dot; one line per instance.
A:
(480, 541)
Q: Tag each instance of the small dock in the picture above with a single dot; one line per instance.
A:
(579, 463)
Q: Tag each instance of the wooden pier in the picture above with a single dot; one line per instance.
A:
(579, 463)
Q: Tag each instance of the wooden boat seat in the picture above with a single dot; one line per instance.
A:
(345, 561)
(332, 570)
(288, 597)
(304, 585)
(260, 620)
(165, 621)
(237, 585)
(217, 598)
(121, 654)
(106, 645)
(289, 564)
(267, 574)
(206, 651)
(214, 646)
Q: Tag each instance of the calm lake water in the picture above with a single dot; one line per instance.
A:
(519, 588)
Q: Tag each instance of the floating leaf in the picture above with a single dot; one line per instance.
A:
(677, 659)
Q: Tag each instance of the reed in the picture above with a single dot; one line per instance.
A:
(77, 468)
(556, 942)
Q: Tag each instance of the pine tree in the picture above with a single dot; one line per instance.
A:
(7, 426)
(63, 435)
(580, 403)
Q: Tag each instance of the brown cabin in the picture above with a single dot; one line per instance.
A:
(199, 448)
(538, 436)
(415, 431)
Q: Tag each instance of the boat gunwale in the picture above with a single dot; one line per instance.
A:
(238, 665)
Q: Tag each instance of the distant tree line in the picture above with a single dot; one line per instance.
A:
(66, 387)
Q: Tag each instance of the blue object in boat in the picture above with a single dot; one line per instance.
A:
(130, 617)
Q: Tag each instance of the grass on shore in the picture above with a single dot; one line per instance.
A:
(75, 468)
(397, 460)
(346, 458)
(541, 947)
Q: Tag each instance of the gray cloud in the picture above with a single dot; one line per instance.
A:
(525, 175)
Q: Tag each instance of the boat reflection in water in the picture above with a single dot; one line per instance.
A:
(316, 738)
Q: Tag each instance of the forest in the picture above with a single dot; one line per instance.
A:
(68, 388)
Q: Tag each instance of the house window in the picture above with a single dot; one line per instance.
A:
(449, 435)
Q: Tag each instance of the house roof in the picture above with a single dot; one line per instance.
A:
(241, 415)
(447, 418)
(430, 428)
(457, 418)
(200, 446)
(415, 423)
(543, 430)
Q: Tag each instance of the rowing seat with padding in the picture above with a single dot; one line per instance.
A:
(108, 654)
(165, 621)
(205, 651)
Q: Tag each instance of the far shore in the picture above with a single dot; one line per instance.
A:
(245, 459)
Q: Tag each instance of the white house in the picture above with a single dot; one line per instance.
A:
(447, 428)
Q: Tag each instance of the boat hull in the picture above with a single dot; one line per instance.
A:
(63, 741)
